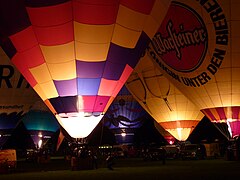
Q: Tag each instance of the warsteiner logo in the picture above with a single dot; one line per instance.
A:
(181, 44)
(177, 41)
(182, 39)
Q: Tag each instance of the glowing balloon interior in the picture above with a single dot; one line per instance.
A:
(197, 48)
(124, 117)
(125, 112)
(77, 55)
(162, 100)
(40, 125)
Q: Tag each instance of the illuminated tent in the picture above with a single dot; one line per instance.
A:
(197, 48)
(16, 97)
(77, 54)
(162, 100)
(41, 124)
(124, 116)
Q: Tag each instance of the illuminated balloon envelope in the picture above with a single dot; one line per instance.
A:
(162, 100)
(41, 124)
(124, 116)
(16, 97)
(197, 48)
(77, 55)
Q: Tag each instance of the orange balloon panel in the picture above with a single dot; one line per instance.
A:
(197, 48)
(78, 54)
(162, 100)
(167, 136)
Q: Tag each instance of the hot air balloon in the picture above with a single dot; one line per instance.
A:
(16, 97)
(78, 54)
(162, 100)
(124, 117)
(197, 49)
(41, 124)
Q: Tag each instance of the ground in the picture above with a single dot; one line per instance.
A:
(133, 168)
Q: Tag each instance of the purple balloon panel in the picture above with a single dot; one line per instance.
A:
(89, 69)
(66, 87)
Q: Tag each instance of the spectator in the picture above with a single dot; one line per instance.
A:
(109, 161)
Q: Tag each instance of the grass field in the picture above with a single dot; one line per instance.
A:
(132, 169)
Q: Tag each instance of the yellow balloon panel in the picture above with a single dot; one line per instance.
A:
(125, 37)
(46, 90)
(59, 53)
(40, 92)
(130, 19)
(62, 71)
(86, 33)
(41, 73)
(91, 52)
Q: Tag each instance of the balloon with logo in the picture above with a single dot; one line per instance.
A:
(162, 100)
(41, 124)
(124, 116)
(16, 97)
(197, 48)
(78, 54)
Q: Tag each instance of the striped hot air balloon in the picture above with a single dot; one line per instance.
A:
(77, 54)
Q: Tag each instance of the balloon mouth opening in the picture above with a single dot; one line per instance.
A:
(79, 125)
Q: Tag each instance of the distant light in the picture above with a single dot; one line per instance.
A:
(0, 135)
(104, 147)
(40, 135)
(171, 142)
(123, 134)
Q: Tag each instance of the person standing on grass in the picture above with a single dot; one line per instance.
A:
(94, 161)
(163, 154)
(109, 161)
